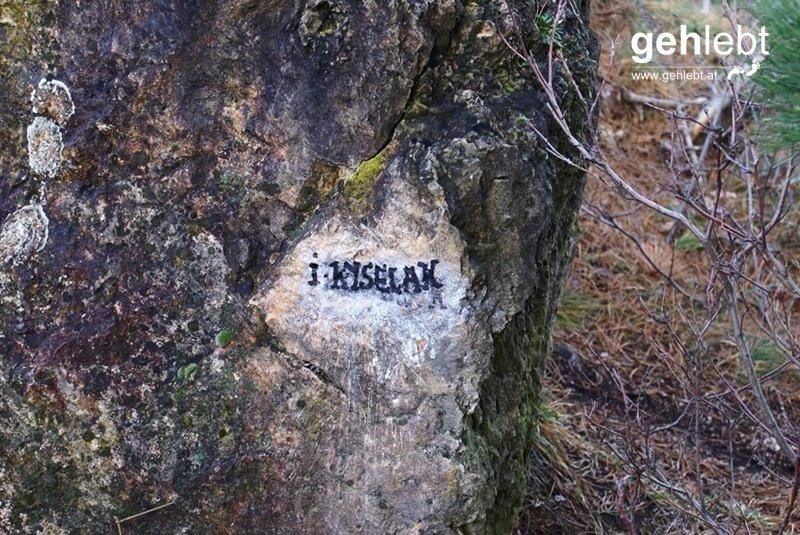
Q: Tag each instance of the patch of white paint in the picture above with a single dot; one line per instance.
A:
(403, 339)
(398, 332)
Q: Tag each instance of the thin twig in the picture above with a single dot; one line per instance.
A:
(793, 497)
(120, 521)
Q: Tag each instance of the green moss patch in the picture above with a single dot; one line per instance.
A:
(358, 185)
(224, 337)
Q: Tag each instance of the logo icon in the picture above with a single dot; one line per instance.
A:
(739, 70)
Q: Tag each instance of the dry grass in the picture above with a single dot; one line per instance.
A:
(621, 378)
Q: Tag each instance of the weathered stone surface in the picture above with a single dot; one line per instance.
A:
(286, 267)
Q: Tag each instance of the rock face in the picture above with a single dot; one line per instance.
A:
(281, 267)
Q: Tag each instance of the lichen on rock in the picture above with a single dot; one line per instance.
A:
(52, 99)
(45, 146)
(22, 233)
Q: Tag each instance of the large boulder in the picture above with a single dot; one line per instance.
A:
(276, 267)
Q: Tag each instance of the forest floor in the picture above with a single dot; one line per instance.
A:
(638, 435)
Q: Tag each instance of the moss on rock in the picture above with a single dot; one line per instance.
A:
(358, 186)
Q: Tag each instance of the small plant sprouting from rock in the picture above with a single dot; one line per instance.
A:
(185, 373)
(224, 337)
(544, 23)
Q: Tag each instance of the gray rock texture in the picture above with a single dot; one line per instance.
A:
(281, 267)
